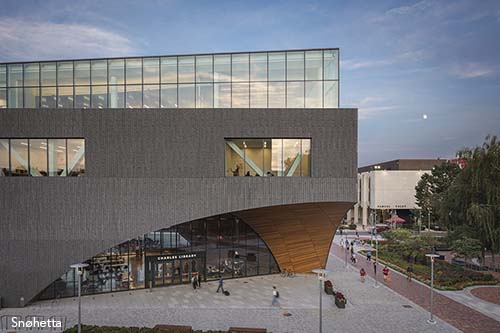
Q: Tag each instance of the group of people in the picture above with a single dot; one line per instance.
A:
(275, 292)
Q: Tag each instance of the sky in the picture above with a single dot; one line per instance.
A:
(399, 60)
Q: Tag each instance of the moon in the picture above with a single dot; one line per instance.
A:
(424, 116)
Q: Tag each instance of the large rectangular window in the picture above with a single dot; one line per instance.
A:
(268, 157)
(42, 157)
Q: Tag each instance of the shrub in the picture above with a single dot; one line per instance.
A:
(352, 226)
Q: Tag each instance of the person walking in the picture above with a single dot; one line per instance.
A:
(369, 255)
(353, 258)
(375, 268)
(362, 273)
(276, 295)
(385, 272)
(221, 284)
(409, 271)
(194, 282)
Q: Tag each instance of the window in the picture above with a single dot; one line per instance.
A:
(277, 95)
(168, 96)
(222, 95)
(134, 96)
(31, 97)
(169, 70)
(65, 97)
(240, 95)
(48, 99)
(204, 69)
(15, 75)
(151, 96)
(258, 67)
(277, 66)
(222, 68)
(116, 97)
(15, 97)
(99, 97)
(331, 64)
(186, 70)
(65, 74)
(82, 72)
(314, 94)
(314, 65)
(134, 71)
(99, 72)
(186, 96)
(240, 67)
(295, 94)
(82, 97)
(31, 75)
(331, 95)
(204, 95)
(42, 157)
(268, 157)
(116, 73)
(151, 70)
(295, 66)
(48, 74)
(258, 94)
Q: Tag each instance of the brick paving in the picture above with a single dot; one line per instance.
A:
(489, 294)
(456, 314)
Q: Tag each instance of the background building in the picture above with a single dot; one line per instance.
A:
(156, 169)
(388, 187)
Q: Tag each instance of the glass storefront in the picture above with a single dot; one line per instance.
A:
(285, 79)
(208, 248)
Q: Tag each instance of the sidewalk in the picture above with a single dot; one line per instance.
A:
(456, 314)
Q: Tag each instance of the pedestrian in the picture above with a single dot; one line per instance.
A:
(362, 273)
(385, 272)
(340, 232)
(352, 249)
(369, 255)
(276, 295)
(409, 271)
(357, 234)
(221, 284)
(375, 267)
(347, 245)
(194, 282)
(353, 258)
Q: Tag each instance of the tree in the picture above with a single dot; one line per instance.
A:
(467, 247)
(432, 186)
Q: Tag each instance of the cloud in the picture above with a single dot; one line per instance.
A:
(415, 8)
(472, 70)
(370, 112)
(23, 39)
(359, 64)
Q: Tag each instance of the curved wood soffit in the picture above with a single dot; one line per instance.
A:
(299, 236)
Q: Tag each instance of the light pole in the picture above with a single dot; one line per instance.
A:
(79, 272)
(432, 256)
(376, 255)
(321, 277)
(345, 250)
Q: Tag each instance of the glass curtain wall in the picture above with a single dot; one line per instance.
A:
(216, 246)
(268, 157)
(288, 79)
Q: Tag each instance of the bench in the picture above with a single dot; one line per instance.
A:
(173, 327)
(246, 330)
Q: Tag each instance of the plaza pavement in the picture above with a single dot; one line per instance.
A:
(459, 308)
(368, 309)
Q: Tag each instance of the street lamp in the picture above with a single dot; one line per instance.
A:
(321, 273)
(432, 256)
(79, 271)
(376, 255)
(345, 250)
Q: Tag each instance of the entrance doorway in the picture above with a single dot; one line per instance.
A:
(174, 269)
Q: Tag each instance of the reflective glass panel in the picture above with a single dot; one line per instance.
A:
(331, 64)
(76, 157)
(204, 69)
(57, 157)
(277, 66)
(116, 96)
(222, 95)
(82, 97)
(169, 70)
(276, 157)
(134, 71)
(204, 95)
(4, 157)
(314, 94)
(19, 157)
(32, 97)
(222, 68)
(240, 95)
(82, 72)
(314, 65)
(240, 67)
(116, 69)
(306, 158)
(295, 66)
(169, 96)
(3, 76)
(15, 75)
(15, 98)
(258, 66)
(186, 96)
(151, 96)
(31, 75)
(151, 70)
(331, 94)
(99, 72)
(291, 157)
(38, 157)
(235, 165)
(3, 98)
(295, 94)
(48, 99)
(48, 74)
(186, 69)
(258, 95)
(65, 73)
(99, 97)
(134, 96)
(277, 95)
(267, 145)
(65, 97)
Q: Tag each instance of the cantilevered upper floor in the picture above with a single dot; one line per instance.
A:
(274, 79)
